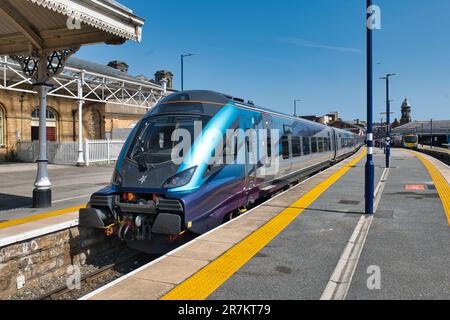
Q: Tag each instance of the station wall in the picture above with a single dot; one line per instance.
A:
(18, 124)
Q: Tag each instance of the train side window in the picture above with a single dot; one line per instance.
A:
(306, 146)
(320, 140)
(326, 144)
(314, 144)
(296, 147)
(285, 147)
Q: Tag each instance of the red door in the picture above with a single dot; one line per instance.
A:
(51, 133)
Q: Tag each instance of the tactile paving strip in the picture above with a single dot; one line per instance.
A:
(207, 280)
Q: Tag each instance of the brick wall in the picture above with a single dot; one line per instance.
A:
(47, 257)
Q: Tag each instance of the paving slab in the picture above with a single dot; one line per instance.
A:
(408, 240)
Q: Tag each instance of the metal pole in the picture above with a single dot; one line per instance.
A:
(388, 125)
(182, 72)
(370, 167)
(295, 106)
(431, 121)
(80, 161)
(423, 137)
(42, 193)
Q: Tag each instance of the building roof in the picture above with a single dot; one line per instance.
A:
(81, 64)
(439, 127)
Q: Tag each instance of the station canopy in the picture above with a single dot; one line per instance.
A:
(440, 127)
(54, 24)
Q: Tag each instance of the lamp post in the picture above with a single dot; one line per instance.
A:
(295, 106)
(370, 166)
(182, 68)
(431, 129)
(388, 119)
(423, 138)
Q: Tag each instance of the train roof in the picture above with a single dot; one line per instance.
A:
(217, 97)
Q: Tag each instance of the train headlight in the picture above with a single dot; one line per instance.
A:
(116, 179)
(138, 221)
(180, 179)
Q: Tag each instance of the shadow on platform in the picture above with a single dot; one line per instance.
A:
(12, 201)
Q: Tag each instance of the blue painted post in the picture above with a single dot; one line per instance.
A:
(370, 167)
(388, 125)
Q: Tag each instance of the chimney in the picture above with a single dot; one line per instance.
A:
(164, 74)
(163, 82)
(119, 65)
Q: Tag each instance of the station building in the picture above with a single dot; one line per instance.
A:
(19, 112)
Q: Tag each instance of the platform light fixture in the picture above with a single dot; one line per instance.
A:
(295, 106)
(388, 119)
(182, 68)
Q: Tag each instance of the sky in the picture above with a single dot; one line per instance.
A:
(273, 52)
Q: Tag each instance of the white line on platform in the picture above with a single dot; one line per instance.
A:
(73, 198)
(38, 232)
(341, 279)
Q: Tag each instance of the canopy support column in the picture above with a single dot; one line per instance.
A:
(42, 193)
(41, 66)
(81, 160)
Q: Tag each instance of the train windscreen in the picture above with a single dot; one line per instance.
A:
(410, 139)
(154, 140)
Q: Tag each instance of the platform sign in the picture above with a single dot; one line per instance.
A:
(415, 187)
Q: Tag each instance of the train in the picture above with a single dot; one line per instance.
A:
(410, 141)
(199, 158)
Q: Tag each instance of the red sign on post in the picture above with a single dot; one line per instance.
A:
(415, 187)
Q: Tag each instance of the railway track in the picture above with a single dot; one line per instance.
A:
(92, 280)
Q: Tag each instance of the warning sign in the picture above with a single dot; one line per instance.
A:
(415, 187)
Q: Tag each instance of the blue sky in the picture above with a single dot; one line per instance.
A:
(273, 52)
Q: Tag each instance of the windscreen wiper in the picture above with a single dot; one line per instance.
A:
(143, 165)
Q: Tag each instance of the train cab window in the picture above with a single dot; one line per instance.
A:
(314, 144)
(320, 142)
(306, 146)
(154, 144)
(296, 147)
(285, 147)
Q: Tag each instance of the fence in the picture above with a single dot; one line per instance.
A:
(102, 150)
(66, 153)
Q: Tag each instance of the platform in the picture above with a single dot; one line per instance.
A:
(314, 242)
(71, 188)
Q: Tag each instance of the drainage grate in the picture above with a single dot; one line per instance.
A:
(349, 202)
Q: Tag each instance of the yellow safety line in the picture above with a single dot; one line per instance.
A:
(211, 277)
(440, 182)
(12, 223)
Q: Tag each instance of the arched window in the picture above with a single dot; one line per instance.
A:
(51, 115)
(2, 127)
(51, 124)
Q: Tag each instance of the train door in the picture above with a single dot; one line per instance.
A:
(335, 144)
(250, 149)
(269, 153)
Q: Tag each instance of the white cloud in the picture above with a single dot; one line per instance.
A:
(310, 44)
